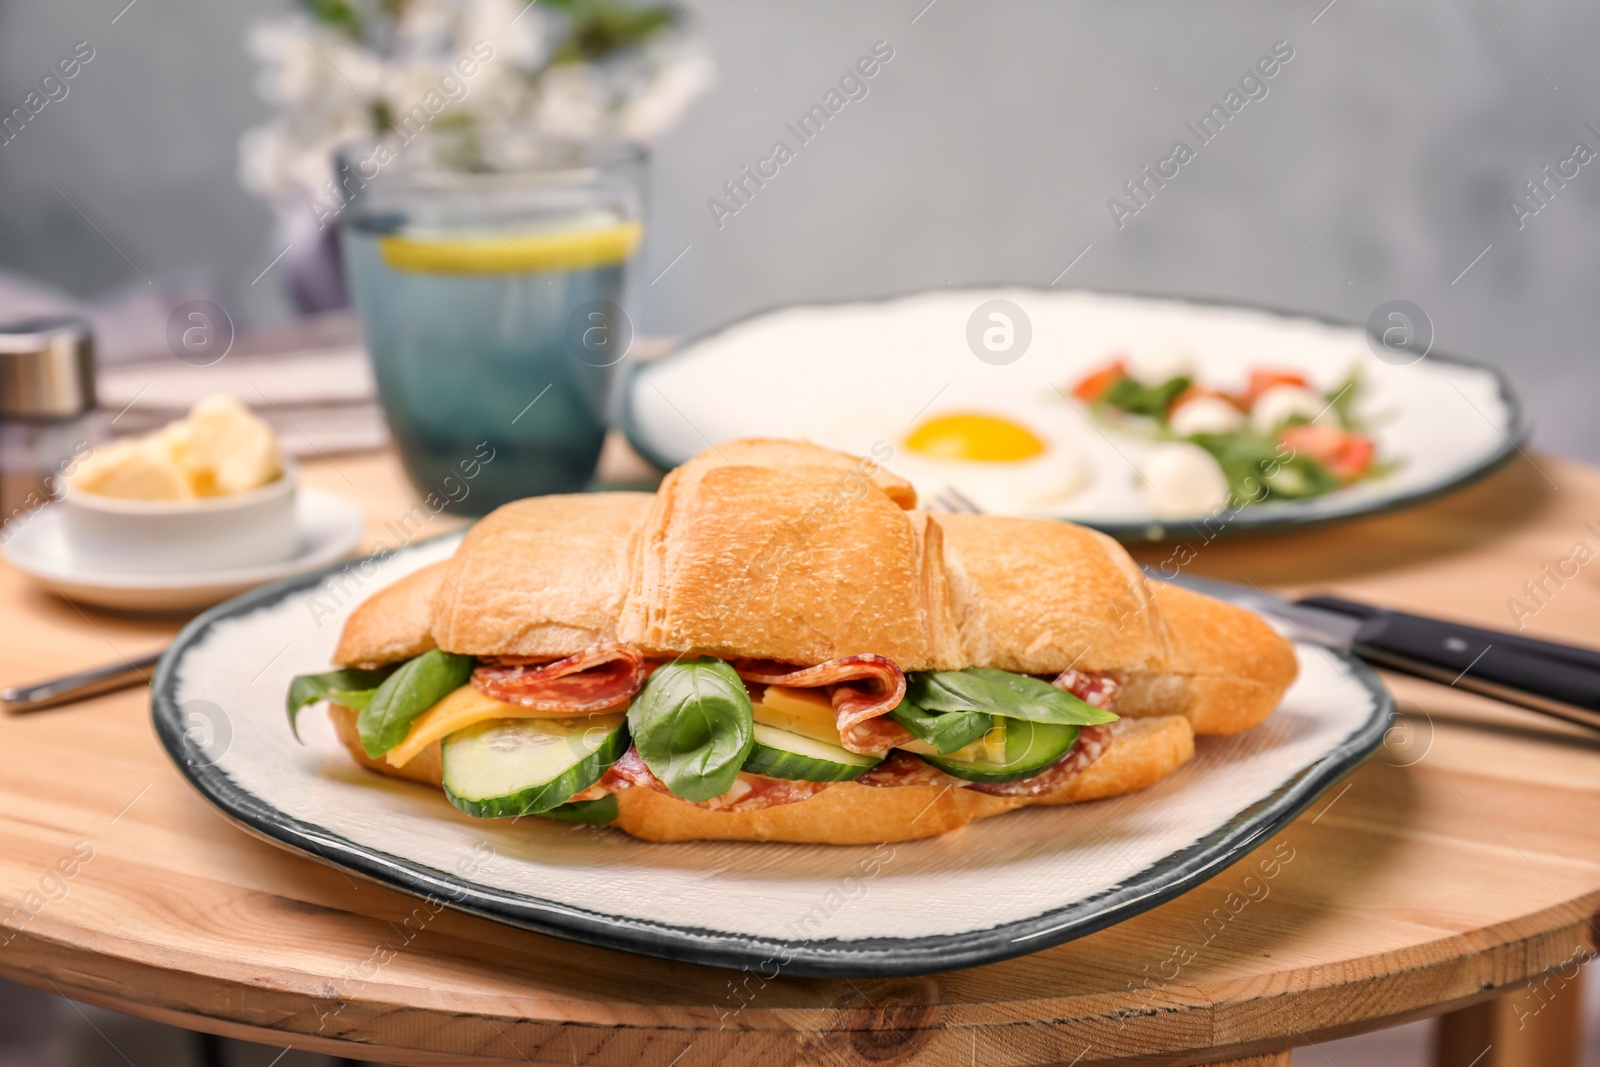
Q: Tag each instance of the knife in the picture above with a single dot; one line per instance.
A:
(1558, 680)
(74, 687)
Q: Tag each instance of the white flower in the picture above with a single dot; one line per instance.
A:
(571, 101)
(292, 72)
(355, 71)
(405, 87)
(669, 94)
(521, 33)
(330, 89)
(261, 154)
(427, 25)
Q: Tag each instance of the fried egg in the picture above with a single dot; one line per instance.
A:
(995, 461)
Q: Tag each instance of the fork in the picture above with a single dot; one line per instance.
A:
(954, 500)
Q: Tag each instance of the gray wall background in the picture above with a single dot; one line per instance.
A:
(1378, 166)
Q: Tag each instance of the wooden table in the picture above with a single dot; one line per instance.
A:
(1457, 866)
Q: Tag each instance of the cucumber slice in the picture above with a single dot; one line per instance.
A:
(780, 754)
(503, 768)
(1030, 748)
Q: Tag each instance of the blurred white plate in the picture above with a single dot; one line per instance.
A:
(330, 529)
(851, 373)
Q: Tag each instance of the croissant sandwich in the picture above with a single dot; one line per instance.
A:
(778, 646)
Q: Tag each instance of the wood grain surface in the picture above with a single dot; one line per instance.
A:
(1459, 863)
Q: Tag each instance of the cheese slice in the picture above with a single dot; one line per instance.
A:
(806, 712)
(460, 709)
(990, 748)
(994, 742)
(973, 752)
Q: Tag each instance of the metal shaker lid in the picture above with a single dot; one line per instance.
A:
(46, 368)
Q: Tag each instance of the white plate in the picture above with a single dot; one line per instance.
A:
(851, 373)
(999, 888)
(330, 529)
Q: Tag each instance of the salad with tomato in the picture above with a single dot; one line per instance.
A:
(1277, 437)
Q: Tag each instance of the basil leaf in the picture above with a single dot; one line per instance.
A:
(597, 812)
(1300, 477)
(352, 687)
(1015, 696)
(950, 691)
(418, 685)
(1257, 470)
(1137, 398)
(946, 731)
(1245, 459)
(1343, 400)
(692, 726)
(1039, 701)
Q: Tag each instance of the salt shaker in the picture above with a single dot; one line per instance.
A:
(46, 410)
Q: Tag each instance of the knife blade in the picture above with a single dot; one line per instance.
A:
(1543, 676)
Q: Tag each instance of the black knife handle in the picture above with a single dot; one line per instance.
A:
(1583, 657)
(1481, 661)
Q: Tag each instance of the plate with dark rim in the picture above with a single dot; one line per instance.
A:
(999, 888)
(860, 375)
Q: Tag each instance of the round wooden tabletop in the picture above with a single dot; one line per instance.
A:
(1459, 862)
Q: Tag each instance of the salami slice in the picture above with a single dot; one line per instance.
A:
(750, 792)
(902, 768)
(861, 688)
(595, 679)
(1094, 689)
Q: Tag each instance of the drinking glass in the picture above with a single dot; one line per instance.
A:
(491, 275)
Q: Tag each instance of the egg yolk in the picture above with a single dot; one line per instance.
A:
(988, 438)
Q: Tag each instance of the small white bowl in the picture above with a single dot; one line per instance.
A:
(182, 536)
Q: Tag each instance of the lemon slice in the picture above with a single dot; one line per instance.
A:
(513, 252)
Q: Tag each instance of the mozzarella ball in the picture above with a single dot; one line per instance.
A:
(1205, 414)
(1281, 403)
(1184, 481)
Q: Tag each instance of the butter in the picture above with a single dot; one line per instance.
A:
(220, 448)
(229, 449)
(137, 469)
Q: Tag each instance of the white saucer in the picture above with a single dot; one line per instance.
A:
(330, 528)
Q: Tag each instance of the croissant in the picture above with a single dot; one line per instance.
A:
(777, 557)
